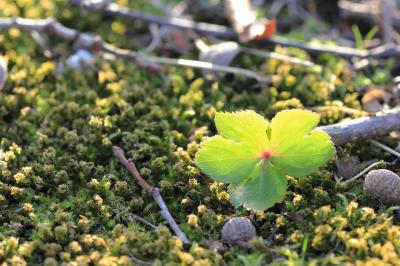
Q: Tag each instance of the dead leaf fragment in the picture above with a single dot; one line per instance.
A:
(220, 54)
(244, 21)
(348, 166)
(373, 101)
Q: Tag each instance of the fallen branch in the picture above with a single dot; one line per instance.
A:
(153, 191)
(224, 32)
(88, 41)
(363, 128)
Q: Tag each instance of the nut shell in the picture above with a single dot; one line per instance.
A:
(238, 229)
(383, 185)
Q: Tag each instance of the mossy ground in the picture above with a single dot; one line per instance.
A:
(65, 199)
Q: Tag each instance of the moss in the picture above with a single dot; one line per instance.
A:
(65, 200)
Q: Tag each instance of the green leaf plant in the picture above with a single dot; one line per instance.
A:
(254, 155)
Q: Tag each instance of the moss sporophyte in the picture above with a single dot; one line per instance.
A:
(254, 155)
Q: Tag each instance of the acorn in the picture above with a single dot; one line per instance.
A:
(238, 229)
(383, 185)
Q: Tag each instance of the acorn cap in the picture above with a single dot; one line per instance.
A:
(238, 229)
(383, 185)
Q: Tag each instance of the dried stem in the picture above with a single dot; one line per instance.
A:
(139, 261)
(143, 221)
(88, 41)
(211, 66)
(361, 173)
(343, 109)
(386, 148)
(153, 191)
(282, 57)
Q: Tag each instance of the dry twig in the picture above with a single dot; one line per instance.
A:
(139, 261)
(88, 41)
(153, 191)
(366, 10)
(227, 33)
(386, 148)
(95, 43)
(211, 66)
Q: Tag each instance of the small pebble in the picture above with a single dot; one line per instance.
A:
(238, 229)
(383, 185)
(3, 72)
(80, 59)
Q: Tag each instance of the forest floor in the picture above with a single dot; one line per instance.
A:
(66, 200)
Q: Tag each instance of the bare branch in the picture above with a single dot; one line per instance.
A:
(153, 191)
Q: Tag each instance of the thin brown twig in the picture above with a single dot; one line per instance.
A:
(88, 41)
(153, 191)
(224, 32)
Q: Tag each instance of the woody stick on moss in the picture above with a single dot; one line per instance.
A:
(153, 191)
